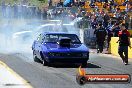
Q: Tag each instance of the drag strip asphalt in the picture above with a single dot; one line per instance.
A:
(64, 75)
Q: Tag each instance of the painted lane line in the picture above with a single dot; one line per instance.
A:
(8, 77)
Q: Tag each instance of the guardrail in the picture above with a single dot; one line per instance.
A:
(114, 47)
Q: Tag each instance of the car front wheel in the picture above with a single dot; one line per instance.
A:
(44, 62)
(35, 57)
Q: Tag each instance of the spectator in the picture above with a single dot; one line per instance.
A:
(15, 11)
(94, 24)
(127, 21)
(106, 1)
(44, 13)
(100, 18)
(118, 13)
(28, 11)
(3, 9)
(24, 11)
(38, 12)
(106, 20)
(127, 6)
(130, 7)
(19, 11)
(50, 3)
(109, 32)
(100, 37)
(124, 42)
(116, 29)
(92, 1)
(8, 11)
(79, 13)
(33, 10)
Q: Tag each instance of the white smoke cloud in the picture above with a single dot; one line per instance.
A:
(17, 35)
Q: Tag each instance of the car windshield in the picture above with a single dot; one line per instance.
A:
(54, 38)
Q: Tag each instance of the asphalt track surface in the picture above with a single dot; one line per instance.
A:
(64, 75)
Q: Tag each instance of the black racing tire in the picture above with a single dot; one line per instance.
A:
(35, 57)
(44, 62)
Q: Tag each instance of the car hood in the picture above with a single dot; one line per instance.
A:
(54, 47)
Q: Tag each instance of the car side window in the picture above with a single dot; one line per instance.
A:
(40, 38)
